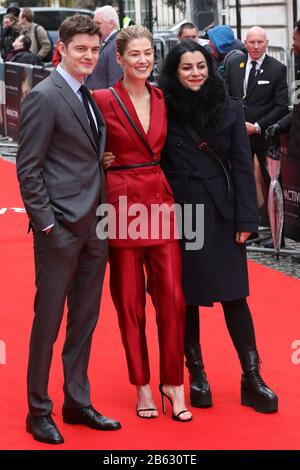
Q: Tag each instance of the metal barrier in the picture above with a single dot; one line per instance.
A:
(286, 57)
(162, 45)
(16, 80)
(279, 53)
(160, 52)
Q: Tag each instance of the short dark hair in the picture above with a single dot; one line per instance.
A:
(77, 24)
(297, 26)
(186, 25)
(26, 42)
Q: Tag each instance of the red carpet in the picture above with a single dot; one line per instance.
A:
(228, 425)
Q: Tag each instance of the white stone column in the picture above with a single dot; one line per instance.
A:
(137, 6)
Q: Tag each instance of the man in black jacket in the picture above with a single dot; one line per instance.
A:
(260, 82)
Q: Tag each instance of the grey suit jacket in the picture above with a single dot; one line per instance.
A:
(107, 72)
(58, 162)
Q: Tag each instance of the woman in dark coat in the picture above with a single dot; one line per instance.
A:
(221, 179)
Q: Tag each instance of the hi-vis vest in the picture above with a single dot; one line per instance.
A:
(126, 21)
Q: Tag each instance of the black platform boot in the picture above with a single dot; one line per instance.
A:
(254, 391)
(200, 392)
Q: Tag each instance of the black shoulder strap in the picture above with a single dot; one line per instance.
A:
(140, 135)
(204, 147)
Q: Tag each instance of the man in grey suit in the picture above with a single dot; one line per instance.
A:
(62, 137)
(107, 71)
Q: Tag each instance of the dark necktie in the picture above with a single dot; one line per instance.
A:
(86, 97)
(251, 77)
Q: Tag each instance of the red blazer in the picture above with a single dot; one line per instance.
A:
(146, 185)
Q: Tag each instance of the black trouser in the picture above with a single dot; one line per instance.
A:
(238, 321)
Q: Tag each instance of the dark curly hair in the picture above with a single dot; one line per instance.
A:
(201, 109)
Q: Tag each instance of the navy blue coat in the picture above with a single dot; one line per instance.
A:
(218, 271)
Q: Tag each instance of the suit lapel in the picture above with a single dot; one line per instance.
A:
(120, 89)
(99, 118)
(260, 74)
(157, 117)
(105, 43)
(75, 104)
(263, 68)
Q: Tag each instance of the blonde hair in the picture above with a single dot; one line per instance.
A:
(129, 34)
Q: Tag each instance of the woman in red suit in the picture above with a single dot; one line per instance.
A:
(136, 175)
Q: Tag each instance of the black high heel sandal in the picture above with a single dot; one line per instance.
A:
(146, 409)
(175, 417)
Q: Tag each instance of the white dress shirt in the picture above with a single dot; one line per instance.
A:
(249, 67)
(74, 85)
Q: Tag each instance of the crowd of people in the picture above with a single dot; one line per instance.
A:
(16, 24)
(189, 141)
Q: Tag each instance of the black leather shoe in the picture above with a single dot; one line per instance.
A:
(43, 429)
(88, 416)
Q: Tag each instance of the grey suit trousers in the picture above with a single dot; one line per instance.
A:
(68, 267)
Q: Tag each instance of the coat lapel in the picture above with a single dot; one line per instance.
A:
(75, 104)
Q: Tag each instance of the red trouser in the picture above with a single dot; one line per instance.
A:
(127, 283)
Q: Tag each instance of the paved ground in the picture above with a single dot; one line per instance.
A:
(285, 263)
